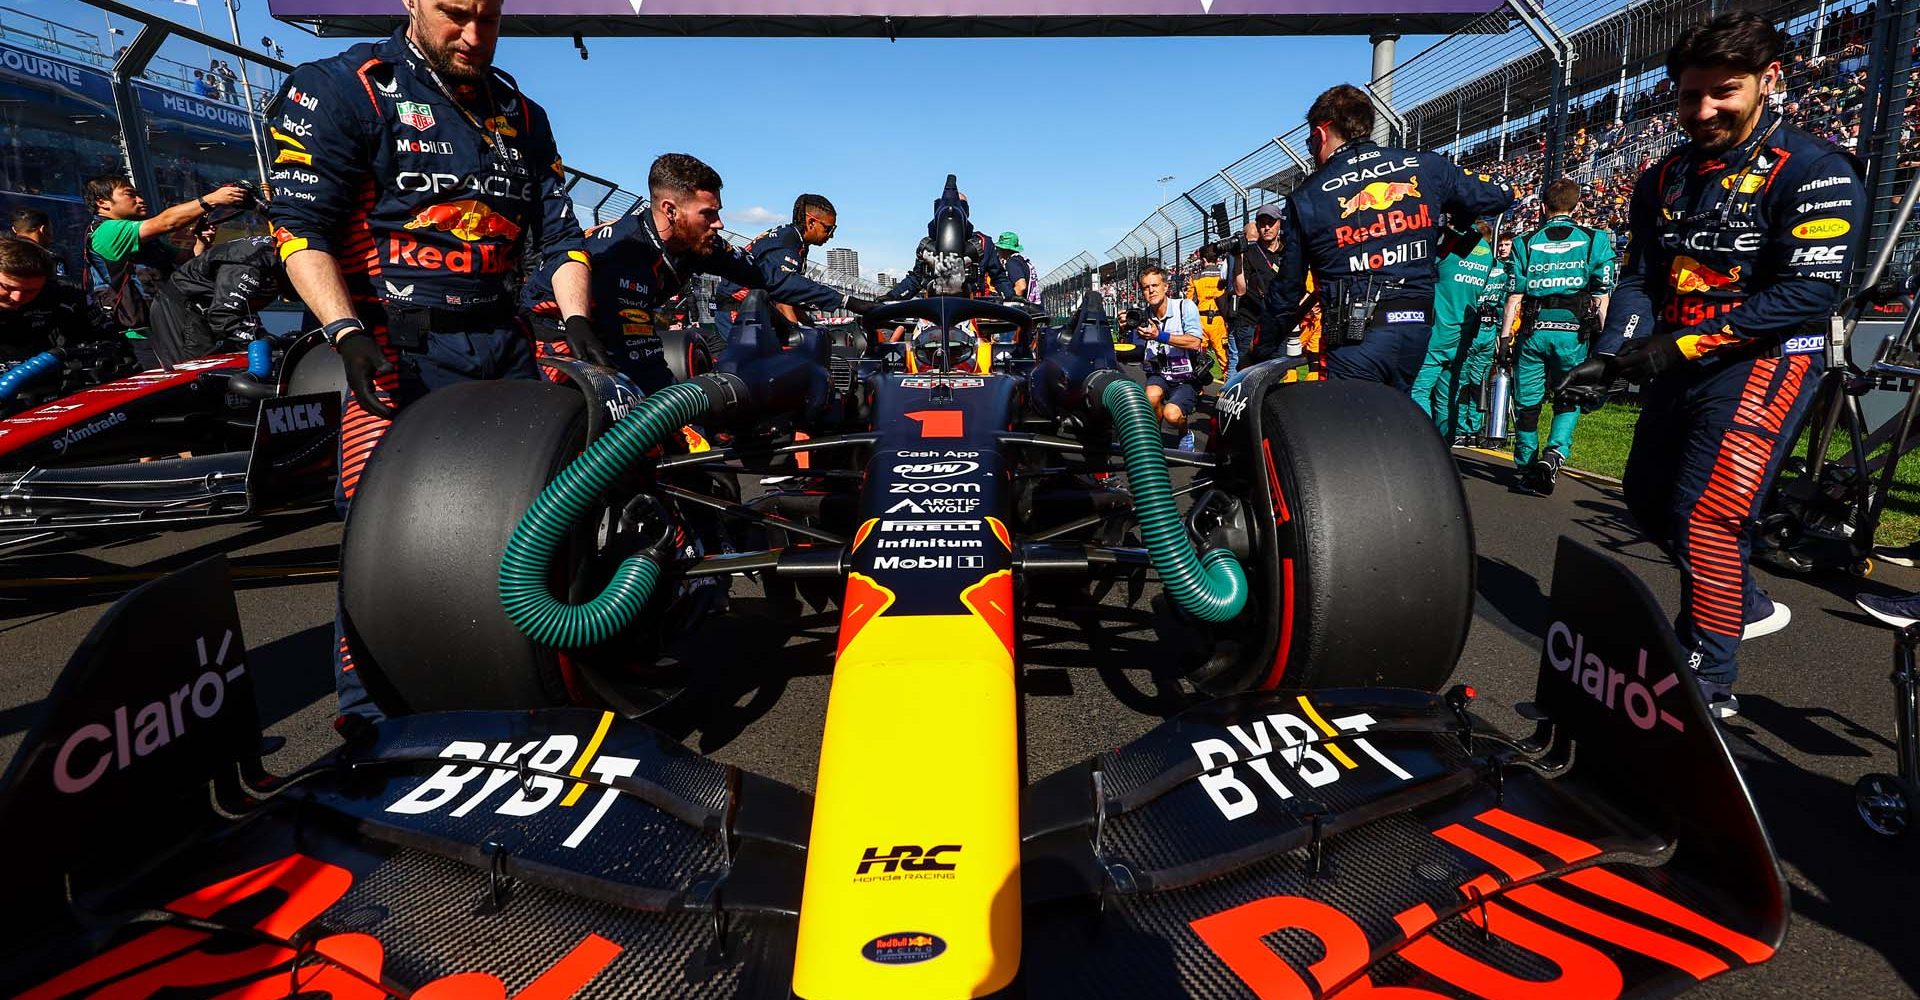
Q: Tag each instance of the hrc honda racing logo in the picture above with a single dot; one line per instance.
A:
(1630, 693)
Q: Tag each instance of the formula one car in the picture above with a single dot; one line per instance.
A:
(1326, 825)
(111, 454)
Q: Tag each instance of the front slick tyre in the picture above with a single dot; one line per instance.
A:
(420, 562)
(1374, 547)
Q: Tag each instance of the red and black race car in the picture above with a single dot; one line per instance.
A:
(202, 441)
(1326, 824)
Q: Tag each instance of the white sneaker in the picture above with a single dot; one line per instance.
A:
(1773, 622)
(1904, 555)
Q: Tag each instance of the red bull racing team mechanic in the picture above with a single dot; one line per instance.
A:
(648, 256)
(781, 255)
(1365, 225)
(410, 179)
(1741, 241)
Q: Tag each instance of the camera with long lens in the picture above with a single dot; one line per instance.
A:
(1230, 241)
(1225, 247)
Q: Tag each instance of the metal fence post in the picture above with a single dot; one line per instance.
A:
(126, 105)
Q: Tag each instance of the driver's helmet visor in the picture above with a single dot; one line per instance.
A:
(938, 348)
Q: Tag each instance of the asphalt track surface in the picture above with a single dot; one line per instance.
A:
(1816, 702)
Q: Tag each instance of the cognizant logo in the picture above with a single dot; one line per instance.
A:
(1629, 692)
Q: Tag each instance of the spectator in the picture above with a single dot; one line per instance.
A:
(32, 225)
(203, 85)
(228, 82)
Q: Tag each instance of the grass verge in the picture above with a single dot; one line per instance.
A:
(1601, 442)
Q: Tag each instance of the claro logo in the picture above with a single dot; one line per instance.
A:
(1631, 693)
(131, 733)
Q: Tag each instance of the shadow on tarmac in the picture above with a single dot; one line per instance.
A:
(1860, 885)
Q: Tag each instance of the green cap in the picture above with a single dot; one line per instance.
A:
(1008, 241)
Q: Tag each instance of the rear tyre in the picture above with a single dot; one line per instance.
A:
(420, 562)
(1373, 564)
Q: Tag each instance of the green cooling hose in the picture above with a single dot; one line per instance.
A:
(526, 567)
(1210, 587)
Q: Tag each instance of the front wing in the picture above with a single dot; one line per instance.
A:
(1271, 844)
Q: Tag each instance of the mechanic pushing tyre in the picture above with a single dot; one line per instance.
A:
(1364, 539)
(420, 562)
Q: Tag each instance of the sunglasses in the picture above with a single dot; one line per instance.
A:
(830, 227)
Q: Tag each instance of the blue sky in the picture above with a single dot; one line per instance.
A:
(1060, 140)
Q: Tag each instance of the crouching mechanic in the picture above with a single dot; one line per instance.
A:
(781, 255)
(1364, 224)
(213, 301)
(645, 258)
(1562, 273)
(40, 319)
(1741, 242)
(1172, 341)
(411, 177)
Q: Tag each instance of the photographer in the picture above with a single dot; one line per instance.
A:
(1255, 267)
(1174, 352)
(126, 257)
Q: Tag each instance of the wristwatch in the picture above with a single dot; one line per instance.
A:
(341, 327)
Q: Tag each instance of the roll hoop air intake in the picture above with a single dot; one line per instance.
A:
(1210, 586)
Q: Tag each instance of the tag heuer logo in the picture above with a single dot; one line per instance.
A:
(420, 116)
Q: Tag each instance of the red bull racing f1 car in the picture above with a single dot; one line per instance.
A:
(1321, 822)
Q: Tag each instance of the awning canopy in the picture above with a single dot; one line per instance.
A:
(936, 19)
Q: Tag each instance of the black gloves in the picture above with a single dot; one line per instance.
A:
(1643, 359)
(363, 359)
(1590, 383)
(583, 343)
(860, 306)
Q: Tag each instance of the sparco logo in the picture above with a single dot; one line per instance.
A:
(135, 732)
(75, 435)
(1630, 693)
(935, 470)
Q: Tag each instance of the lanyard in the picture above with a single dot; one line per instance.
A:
(489, 130)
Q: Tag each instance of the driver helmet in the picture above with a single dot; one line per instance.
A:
(949, 349)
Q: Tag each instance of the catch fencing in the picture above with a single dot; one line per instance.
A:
(1573, 88)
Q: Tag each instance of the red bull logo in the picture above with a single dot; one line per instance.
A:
(469, 220)
(1384, 224)
(1379, 195)
(1690, 276)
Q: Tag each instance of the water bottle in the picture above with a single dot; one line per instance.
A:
(1497, 405)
